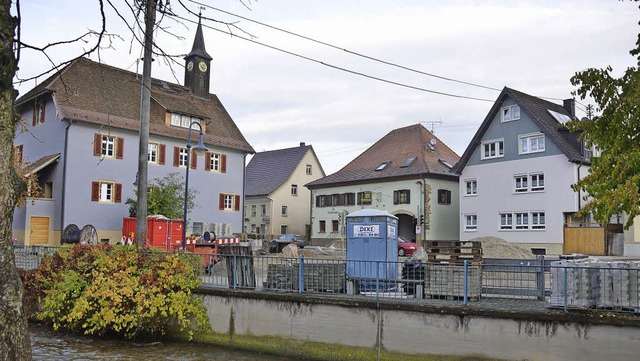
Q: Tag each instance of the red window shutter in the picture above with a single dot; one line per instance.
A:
(35, 109)
(19, 154)
(176, 156)
(95, 191)
(119, 147)
(237, 205)
(161, 153)
(207, 161)
(117, 193)
(223, 163)
(97, 144)
(221, 201)
(42, 108)
(194, 160)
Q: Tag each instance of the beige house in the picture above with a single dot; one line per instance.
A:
(276, 201)
(407, 173)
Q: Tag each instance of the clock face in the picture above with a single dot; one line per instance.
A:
(202, 66)
(190, 66)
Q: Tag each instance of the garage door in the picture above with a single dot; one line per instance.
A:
(39, 230)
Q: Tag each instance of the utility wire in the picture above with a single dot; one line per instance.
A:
(335, 66)
(347, 50)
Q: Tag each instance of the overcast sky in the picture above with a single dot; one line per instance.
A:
(279, 100)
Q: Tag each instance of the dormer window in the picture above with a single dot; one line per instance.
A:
(510, 113)
(183, 121)
(383, 165)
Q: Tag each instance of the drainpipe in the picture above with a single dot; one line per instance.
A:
(579, 193)
(64, 177)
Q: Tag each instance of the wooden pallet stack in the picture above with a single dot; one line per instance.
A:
(454, 251)
(446, 271)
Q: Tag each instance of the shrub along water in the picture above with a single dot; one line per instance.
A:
(103, 289)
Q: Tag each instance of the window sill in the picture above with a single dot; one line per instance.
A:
(534, 152)
(470, 195)
(488, 158)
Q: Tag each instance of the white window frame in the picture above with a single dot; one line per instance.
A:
(215, 162)
(538, 220)
(509, 113)
(470, 222)
(471, 187)
(528, 183)
(229, 199)
(522, 220)
(285, 228)
(182, 157)
(309, 169)
(284, 211)
(108, 147)
(263, 209)
(254, 210)
(531, 143)
(536, 182)
(506, 220)
(183, 121)
(152, 153)
(294, 189)
(107, 190)
(521, 183)
(495, 143)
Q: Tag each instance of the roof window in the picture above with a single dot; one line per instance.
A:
(407, 162)
(383, 165)
(446, 163)
(562, 118)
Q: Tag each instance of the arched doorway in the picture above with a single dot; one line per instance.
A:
(406, 227)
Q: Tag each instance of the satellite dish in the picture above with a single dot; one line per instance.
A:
(433, 141)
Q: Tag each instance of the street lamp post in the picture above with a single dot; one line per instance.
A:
(199, 149)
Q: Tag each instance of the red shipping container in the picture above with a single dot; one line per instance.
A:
(161, 232)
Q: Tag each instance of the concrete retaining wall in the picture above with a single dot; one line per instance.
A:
(420, 329)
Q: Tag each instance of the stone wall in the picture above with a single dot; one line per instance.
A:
(406, 327)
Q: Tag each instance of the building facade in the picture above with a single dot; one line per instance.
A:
(79, 133)
(276, 201)
(517, 172)
(407, 173)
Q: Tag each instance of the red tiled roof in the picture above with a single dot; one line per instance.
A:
(92, 92)
(396, 147)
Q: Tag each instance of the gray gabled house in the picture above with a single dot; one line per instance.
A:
(80, 134)
(276, 201)
(516, 174)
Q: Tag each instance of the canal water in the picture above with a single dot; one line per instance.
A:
(57, 346)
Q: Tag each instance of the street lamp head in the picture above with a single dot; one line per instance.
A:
(200, 149)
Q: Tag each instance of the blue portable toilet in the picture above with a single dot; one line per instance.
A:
(372, 249)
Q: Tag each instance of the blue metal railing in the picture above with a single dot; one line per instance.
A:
(534, 283)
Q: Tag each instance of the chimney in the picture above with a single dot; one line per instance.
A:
(570, 106)
(302, 144)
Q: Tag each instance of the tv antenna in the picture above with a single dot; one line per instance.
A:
(433, 123)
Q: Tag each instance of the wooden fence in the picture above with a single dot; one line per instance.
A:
(584, 240)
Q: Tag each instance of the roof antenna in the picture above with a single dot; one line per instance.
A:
(432, 123)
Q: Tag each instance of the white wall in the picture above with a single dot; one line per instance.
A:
(496, 194)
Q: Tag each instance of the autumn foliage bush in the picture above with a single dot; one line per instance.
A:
(102, 289)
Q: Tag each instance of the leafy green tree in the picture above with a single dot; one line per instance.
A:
(613, 184)
(166, 197)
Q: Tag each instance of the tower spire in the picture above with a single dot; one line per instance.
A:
(197, 65)
(198, 42)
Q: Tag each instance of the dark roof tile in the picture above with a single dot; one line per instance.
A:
(268, 170)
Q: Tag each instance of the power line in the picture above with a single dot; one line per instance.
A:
(349, 51)
(334, 66)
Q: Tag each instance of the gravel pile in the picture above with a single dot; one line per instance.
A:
(494, 247)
